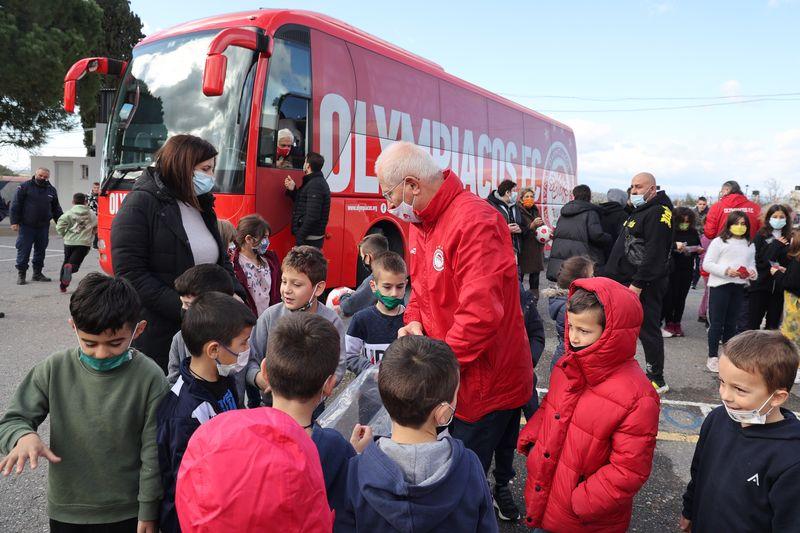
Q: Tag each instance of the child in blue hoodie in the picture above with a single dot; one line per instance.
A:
(216, 329)
(746, 467)
(418, 480)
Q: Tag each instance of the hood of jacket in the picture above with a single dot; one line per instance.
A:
(493, 199)
(80, 210)
(413, 507)
(617, 344)
(450, 188)
(609, 208)
(556, 300)
(576, 207)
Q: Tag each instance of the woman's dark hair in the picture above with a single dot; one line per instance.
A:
(733, 187)
(102, 303)
(254, 225)
(786, 231)
(575, 267)
(733, 218)
(680, 214)
(175, 162)
(505, 186)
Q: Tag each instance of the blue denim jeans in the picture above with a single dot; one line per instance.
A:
(36, 238)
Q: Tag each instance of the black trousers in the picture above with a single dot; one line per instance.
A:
(761, 303)
(652, 299)
(126, 526)
(675, 298)
(724, 310)
(74, 255)
(493, 435)
(316, 243)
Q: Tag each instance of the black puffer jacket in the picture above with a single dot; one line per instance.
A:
(612, 216)
(511, 215)
(34, 205)
(150, 248)
(641, 254)
(578, 232)
(312, 206)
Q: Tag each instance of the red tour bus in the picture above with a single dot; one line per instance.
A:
(236, 80)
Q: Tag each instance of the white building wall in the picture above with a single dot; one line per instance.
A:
(69, 174)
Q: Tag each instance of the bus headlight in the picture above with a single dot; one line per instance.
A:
(101, 244)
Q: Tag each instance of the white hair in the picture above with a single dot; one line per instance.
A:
(285, 133)
(403, 159)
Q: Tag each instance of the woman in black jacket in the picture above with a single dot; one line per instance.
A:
(685, 247)
(766, 292)
(166, 225)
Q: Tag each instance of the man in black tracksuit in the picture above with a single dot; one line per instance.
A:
(640, 259)
(312, 203)
(34, 204)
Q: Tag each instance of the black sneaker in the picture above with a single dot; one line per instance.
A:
(504, 503)
(38, 276)
(66, 275)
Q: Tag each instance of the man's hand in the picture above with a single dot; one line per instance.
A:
(412, 328)
(635, 290)
(146, 526)
(685, 524)
(514, 228)
(289, 183)
(28, 447)
(361, 437)
(15, 227)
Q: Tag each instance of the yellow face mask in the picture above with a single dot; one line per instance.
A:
(738, 229)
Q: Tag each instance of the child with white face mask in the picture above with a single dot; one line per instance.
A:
(746, 466)
(765, 297)
(216, 329)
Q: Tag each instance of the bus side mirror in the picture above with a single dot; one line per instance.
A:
(217, 64)
(100, 65)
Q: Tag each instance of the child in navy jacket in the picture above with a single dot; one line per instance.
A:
(300, 370)
(216, 329)
(746, 467)
(416, 480)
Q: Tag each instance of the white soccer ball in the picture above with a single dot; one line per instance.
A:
(544, 234)
(335, 296)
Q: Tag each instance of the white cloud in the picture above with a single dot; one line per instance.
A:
(660, 8)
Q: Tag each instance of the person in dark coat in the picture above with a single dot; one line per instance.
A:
(766, 291)
(35, 203)
(578, 232)
(531, 255)
(640, 259)
(686, 247)
(312, 203)
(504, 199)
(613, 215)
(165, 226)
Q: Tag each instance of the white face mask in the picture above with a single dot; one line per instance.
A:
(241, 361)
(310, 301)
(752, 416)
(405, 211)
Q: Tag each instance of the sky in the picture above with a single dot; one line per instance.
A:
(694, 92)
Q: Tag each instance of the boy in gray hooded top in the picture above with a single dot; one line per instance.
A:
(418, 480)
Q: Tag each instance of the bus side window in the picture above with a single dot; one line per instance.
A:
(284, 133)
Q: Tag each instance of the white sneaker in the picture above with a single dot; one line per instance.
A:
(666, 334)
(713, 364)
(797, 376)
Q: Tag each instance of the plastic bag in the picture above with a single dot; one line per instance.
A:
(359, 403)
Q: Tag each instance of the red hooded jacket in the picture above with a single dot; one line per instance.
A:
(718, 214)
(465, 291)
(590, 445)
(252, 470)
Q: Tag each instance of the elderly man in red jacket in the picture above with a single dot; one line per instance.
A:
(465, 291)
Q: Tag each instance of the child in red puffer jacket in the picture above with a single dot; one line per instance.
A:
(590, 445)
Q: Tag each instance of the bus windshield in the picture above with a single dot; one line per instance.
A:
(161, 95)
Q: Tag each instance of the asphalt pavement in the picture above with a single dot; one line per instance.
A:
(35, 325)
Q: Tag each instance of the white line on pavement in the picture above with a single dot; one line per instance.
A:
(53, 255)
(14, 247)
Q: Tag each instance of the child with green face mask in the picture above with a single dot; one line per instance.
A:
(373, 329)
(731, 265)
(686, 246)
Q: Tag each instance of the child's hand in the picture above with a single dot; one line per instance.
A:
(28, 447)
(731, 272)
(685, 524)
(361, 437)
(412, 328)
(146, 526)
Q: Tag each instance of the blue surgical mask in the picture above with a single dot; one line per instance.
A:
(262, 247)
(203, 183)
(513, 198)
(109, 363)
(777, 223)
(637, 200)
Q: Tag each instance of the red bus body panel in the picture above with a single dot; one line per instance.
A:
(367, 93)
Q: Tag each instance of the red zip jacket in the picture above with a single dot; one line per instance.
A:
(590, 445)
(465, 291)
(718, 214)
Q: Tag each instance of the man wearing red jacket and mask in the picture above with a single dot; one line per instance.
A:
(465, 291)
(731, 199)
